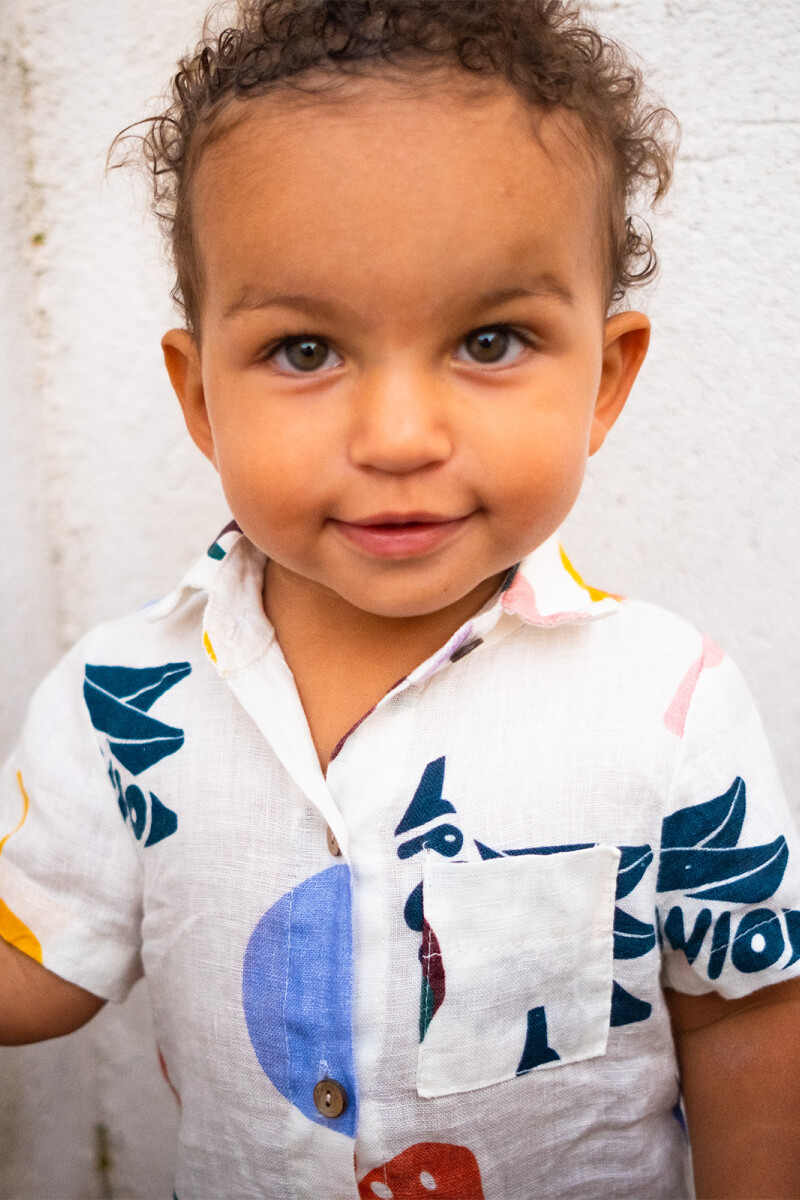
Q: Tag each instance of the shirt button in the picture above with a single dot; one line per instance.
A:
(330, 1098)
(333, 845)
(466, 649)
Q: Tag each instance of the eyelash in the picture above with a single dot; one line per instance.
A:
(523, 335)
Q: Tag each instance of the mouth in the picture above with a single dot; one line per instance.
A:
(401, 535)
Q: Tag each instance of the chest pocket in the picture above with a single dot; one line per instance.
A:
(517, 959)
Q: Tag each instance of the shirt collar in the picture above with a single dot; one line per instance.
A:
(546, 590)
(543, 591)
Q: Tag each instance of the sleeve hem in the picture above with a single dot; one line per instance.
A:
(104, 964)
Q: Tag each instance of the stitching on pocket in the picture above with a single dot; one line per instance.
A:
(495, 1006)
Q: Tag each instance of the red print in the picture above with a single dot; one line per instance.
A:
(427, 1171)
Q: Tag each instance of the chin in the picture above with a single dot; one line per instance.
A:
(402, 603)
(396, 609)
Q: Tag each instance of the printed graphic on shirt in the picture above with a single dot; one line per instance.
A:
(217, 550)
(12, 928)
(632, 938)
(426, 1169)
(701, 858)
(297, 987)
(118, 700)
(677, 712)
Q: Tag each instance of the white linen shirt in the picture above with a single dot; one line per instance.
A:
(438, 969)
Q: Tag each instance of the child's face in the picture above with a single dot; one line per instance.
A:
(439, 269)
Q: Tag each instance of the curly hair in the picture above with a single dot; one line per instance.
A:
(542, 48)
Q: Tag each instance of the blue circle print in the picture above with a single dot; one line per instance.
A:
(297, 990)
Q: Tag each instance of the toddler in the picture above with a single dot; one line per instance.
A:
(449, 875)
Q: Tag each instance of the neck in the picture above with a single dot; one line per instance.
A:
(303, 610)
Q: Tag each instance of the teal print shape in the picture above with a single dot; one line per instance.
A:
(632, 938)
(792, 918)
(537, 1050)
(627, 1009)
(675, 932)
(118, 700)
(759, 941)
(700, 856)
(137, 808)
(216, 551)
(427, 803)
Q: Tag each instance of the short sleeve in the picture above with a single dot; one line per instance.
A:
(70, 876)
(728, 905)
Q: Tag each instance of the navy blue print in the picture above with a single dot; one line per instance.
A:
(487, 852)
(627, 1009)
(134, 807)
(118, 699)
(759, 941)
(675, 932)
(427, 803)
(699, 855)
(163, 821)
(719, 946)
(566, 849)
(413, 912)
(536, 1050)
(677, 1113)
(792, 918)
(632, 938)
(744, 876)
(444, 839)
(634, 861)
(137, 809)
(715, 824)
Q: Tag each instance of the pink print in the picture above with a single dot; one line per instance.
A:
(675, 716)
(520, 599)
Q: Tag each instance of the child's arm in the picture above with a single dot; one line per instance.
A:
(740, 1078)
(36, 1004)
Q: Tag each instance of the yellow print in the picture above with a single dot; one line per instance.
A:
(594, 593)
(25, 806)
(11, 928)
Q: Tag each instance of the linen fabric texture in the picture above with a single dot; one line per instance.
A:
(567, 808)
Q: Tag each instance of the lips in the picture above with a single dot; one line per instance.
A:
(401, 535)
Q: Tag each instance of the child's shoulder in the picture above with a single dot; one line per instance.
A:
(664, 632)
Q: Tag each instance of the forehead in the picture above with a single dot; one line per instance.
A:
(422, 188)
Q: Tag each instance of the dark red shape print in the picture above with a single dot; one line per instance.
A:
(163, 1065)
(433, 986)
(427, 1171)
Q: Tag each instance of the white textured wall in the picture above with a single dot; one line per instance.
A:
(694, 502)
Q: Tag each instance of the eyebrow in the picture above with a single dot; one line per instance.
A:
(546, 286)
(251, 300)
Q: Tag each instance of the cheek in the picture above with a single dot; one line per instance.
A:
(545, 458)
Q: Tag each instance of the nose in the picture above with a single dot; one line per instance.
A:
(399, 423)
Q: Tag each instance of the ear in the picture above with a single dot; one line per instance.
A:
(627, 336)
(182, 358)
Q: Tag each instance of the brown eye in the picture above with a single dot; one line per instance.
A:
(303, 354)
(487, 345)
(496, 345)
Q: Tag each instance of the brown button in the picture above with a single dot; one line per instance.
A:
(330, 1098)
(466, 649)
(334, 848)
